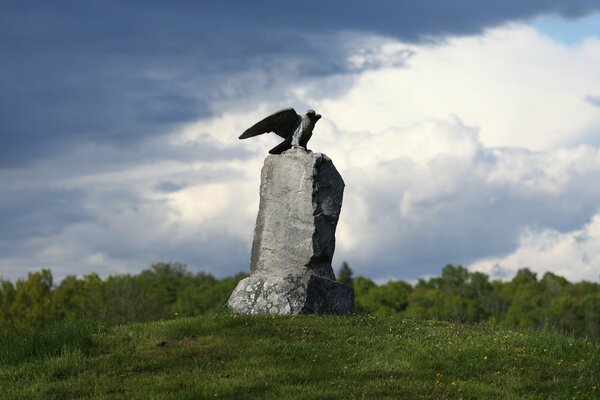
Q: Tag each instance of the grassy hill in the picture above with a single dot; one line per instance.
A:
(305, 357)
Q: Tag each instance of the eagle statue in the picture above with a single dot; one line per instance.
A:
(295, 129)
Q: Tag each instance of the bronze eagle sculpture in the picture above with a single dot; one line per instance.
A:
(295, 129)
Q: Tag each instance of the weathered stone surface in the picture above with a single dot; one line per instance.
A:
(294, 240)
(291, 294)
(300, 202)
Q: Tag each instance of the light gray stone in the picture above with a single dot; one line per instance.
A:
(294, 240)
(300, 201)
(291, 294)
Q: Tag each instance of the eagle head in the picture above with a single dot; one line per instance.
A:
(313, 115)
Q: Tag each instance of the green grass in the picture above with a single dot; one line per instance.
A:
(237, 357)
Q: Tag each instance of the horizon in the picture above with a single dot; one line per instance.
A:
(56, 281)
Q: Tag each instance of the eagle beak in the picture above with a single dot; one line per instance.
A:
(317, 117)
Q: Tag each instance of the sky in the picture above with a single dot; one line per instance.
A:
(467, 132)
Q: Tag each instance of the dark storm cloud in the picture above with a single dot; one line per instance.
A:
(221, 255)
(38, 212)
(410, 21)
(118, 72)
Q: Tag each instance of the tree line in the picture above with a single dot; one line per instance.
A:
(169, 290)
(470, 297)
(164, 291)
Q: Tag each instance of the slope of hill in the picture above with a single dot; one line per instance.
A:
(235, 357)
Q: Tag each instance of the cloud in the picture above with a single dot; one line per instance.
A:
(118, 73)
(112, 210)
(521, 88)
(592, 100)
(168, 187)
(574, 254)
(422, 196)
(424, 189)
(36, 211)
(122, 221)
(450, 152)
(416, 198)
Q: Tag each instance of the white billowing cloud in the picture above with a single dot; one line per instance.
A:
(429, 194)
(424, 189)
(521, 88)
(574, 254)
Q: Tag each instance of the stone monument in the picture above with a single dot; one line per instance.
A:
(294, 238)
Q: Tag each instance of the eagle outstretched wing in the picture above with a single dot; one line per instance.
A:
(282, 122)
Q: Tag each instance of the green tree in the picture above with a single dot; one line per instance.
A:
(122, 299)
(31, 305)
(345, 274)
(388, 299)
(424, 302)
(7, 298)
(456, 295)
(526, 301)
(574, 308)
(362, 286)
(95, 306)
(159, 288)
(68, 299)
(205, 295)
(166, 290)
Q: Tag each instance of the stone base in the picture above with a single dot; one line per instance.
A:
(291, 294)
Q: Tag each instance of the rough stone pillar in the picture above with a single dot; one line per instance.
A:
(294, 240)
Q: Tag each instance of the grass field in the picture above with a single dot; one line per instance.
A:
(304, 357)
